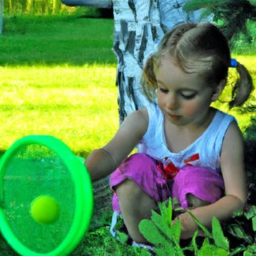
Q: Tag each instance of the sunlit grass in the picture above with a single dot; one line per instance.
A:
(76, 104)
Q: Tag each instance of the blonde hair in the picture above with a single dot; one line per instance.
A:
(198, 49)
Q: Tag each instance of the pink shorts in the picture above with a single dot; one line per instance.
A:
(203, 183)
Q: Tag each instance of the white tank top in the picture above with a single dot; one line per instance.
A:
(205, 151)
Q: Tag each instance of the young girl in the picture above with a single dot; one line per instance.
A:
(187, 149)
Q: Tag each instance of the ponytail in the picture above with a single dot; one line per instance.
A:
(242, 88)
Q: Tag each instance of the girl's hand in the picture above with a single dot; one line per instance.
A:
(188, 226)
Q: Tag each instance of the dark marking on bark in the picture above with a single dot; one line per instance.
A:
(121, 101)
(124, 36)
(143, 46)
(133, 8)
(154, 33)
(118, 52)
(130, 91)
(131, 42)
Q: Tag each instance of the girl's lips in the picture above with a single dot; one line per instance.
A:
(175, 117)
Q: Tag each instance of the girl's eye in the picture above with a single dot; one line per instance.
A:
(188, 96)
(165, 91)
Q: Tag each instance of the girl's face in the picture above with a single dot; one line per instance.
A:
(183, 98)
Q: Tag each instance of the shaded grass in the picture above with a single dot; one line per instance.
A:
(51, 40)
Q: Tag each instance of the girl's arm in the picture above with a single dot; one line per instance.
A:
(102, 162)
(232, 166)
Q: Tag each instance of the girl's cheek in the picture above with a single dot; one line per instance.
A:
(191, 108)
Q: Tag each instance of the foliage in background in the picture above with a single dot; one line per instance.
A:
(232, 16)
(33, 6)
(46, 7)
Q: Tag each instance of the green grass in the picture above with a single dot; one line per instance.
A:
(56, 40)
(57, 77)
(75, 104)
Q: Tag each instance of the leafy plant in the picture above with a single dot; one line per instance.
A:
(215, 243)
(159, 231)
(165, 237)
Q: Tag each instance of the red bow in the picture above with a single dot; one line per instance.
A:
(170, 171)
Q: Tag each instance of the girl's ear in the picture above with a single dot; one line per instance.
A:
(218, 90)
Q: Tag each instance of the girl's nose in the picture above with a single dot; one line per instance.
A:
(172, 101)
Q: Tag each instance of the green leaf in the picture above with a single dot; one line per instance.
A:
(166, 210)
(161, 223)
(220, 252)
(254, 223)
(238, 231)
(167, 251)
(163, 245)
(252, 2)
(152, 233)
(199, 4)
(194, 242)
(219, 239)
(205, 13)
(252, 249)
(247, 253)
(175, 232)
(238, 213)
(251, 212)
(206, 231)
(238, 250)
(121, 237)
(206, 249)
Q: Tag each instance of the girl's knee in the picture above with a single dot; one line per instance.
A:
(194, 202)
(128, 187)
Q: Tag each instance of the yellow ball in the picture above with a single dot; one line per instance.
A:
(44, 209)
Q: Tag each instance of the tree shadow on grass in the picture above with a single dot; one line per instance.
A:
(56, 40)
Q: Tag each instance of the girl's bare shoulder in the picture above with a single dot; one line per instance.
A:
(137, 121)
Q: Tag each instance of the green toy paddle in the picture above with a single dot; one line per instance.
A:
(46, 197)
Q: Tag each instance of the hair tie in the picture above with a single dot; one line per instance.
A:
(233, 63)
